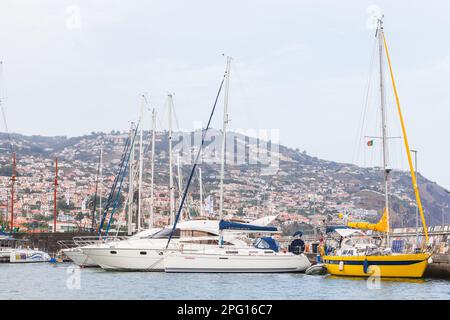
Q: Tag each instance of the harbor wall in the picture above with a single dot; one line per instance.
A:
(48, 241)
(440, 267)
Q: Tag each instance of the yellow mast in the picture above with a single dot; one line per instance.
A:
(405, 138)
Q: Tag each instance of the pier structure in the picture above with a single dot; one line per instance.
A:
(48, 241)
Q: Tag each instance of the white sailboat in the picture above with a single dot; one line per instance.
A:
(263, 256)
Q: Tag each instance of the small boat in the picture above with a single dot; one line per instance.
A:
(14, 250)
(28, 256)
(318, 269)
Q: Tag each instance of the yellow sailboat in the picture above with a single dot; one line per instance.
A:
(383, 263)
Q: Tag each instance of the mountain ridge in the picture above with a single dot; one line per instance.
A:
(314, 185)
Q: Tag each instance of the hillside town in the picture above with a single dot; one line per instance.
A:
(301, 190)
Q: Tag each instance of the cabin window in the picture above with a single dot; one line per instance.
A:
(113, 252)
(195, 233)
(205, 241)
(143, 253)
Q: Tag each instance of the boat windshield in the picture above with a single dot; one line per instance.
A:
(361, 240)
(352, 241)
(165, 233)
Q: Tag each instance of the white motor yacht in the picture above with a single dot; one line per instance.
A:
(73, 249)
(147, 254)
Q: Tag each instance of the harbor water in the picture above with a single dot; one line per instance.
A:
(66, 281)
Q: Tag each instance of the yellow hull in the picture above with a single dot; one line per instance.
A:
(392, 266)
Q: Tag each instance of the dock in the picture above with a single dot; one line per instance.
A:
(440, 267)
(48, 241)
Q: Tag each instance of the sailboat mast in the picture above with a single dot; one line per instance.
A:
(13, 181)
(55, 203)
(180, 182)
(201, 190)
(171, 188)
(131, 186)
(224, 135)
(100, 183)
(141, 164)
(94, 207)
(384, 127)
(152, 188)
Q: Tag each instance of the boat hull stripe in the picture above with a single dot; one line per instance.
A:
(375, 263)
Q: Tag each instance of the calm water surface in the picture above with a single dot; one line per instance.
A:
(65, 281)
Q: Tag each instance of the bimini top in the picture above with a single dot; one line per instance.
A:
(229, 225)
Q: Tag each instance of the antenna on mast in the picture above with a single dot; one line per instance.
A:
(380, 25)
(171, 187)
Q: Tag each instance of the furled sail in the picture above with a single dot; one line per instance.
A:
(381, 226)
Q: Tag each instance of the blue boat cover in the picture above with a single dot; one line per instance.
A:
(267, 243)
(298, 233)
(229, 225)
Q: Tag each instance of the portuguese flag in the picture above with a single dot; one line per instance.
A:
(370, 143)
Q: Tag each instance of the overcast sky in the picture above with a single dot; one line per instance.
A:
(72, 67)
